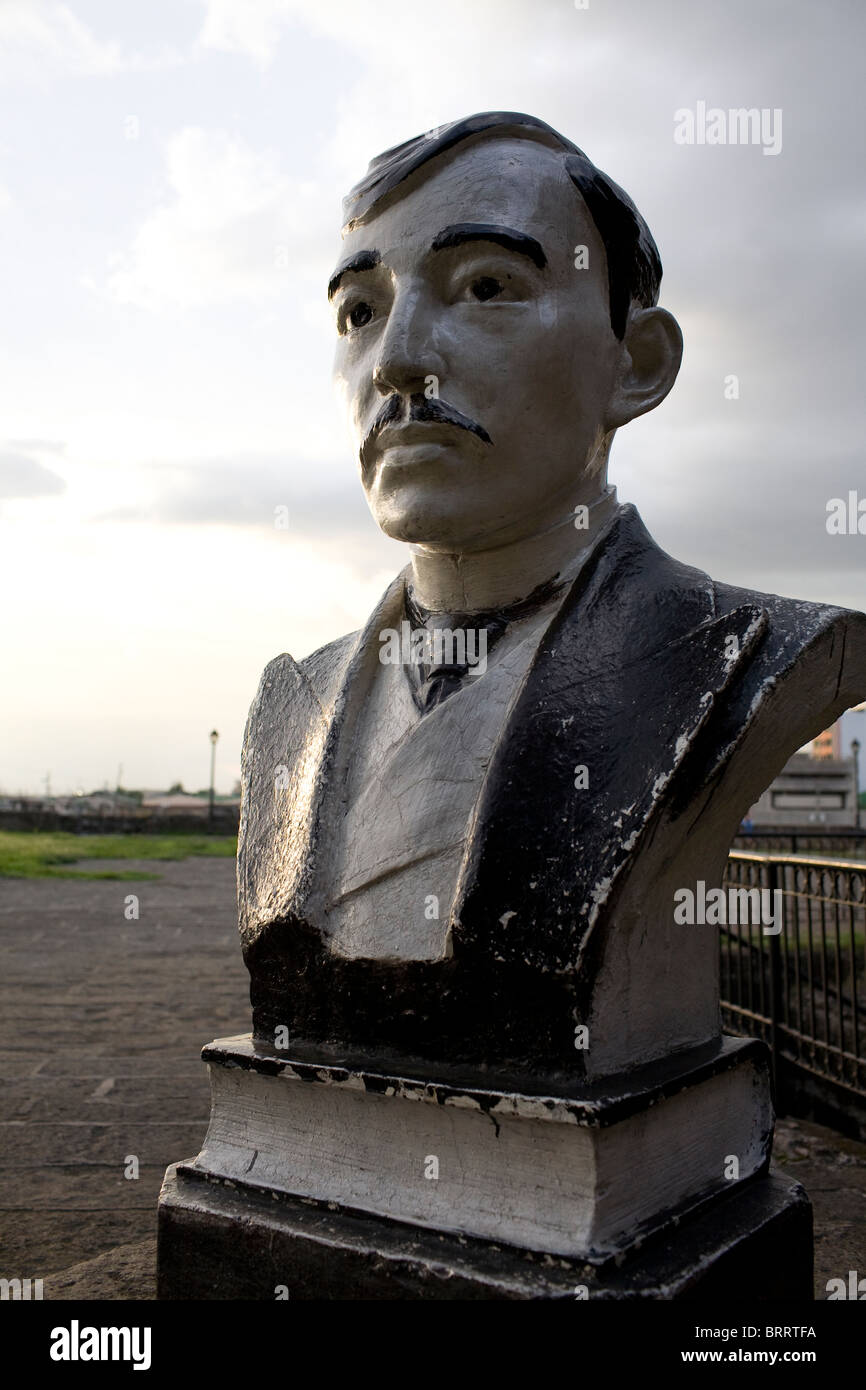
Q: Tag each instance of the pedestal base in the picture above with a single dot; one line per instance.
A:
(328, 1177)
(584, 1172)
(218, 1240)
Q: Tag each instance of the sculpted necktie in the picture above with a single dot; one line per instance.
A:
(436, 680)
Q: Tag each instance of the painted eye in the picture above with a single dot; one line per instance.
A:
(359, 314)
(485, 287)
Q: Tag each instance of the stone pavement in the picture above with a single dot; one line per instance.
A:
(102, 1020)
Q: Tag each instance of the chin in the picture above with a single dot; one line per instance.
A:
(423, 525)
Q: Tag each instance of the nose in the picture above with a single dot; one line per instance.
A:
(406, 355)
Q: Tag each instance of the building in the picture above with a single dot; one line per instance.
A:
(828, 744)
(811, 790)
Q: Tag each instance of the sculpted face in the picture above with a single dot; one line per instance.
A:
(462, 308)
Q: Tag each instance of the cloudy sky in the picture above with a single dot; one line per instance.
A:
(170, 182)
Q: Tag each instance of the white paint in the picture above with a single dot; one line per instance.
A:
(412, 785)
(527, 1173)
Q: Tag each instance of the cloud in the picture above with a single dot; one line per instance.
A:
(54, 35)
(38, 446)
(41, 39)
(378, 30)
(232, 225)
(255, 30)
(21, 476)
(258, 491)
(411, 70)
(267, 502)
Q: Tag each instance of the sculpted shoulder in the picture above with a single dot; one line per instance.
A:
(285, 681)
(798, 630)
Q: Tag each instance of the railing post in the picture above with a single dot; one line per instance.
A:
(775, 985)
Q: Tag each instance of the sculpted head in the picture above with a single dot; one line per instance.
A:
(484, 357)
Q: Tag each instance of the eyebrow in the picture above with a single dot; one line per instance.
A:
(457, 235)
(364, 260)
(512, 240)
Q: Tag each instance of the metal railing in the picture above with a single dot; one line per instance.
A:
(820, 841)
(802, 989)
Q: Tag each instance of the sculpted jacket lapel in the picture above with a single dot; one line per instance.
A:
(297, 745)
(605, 719)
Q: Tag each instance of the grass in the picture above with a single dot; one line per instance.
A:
(49, 854)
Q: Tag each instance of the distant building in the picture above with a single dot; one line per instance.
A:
(809, 791)
(828, 744)
(175, 801)
(853, 726)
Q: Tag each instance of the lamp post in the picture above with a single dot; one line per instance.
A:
(855, 749)
(213, 743)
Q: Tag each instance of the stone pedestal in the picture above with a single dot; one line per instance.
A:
(334, 1177)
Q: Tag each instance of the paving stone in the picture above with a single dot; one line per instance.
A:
(128, 1271)
(87, 996)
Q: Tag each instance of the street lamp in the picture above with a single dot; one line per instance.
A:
(855, 749)
(213, 743)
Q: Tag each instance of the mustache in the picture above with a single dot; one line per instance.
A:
(419, 409)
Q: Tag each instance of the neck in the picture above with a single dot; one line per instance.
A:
(485, 579)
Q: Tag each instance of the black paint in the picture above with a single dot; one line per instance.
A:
(221, 1242)
(463, 232)
(634, 662)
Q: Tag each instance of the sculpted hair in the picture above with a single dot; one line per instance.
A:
(634, 268)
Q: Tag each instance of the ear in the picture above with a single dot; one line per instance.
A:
(652, 351)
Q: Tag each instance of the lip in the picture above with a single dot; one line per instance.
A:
(417, 432)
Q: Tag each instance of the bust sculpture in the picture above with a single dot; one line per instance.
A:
(465, 829)
(471, 872)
